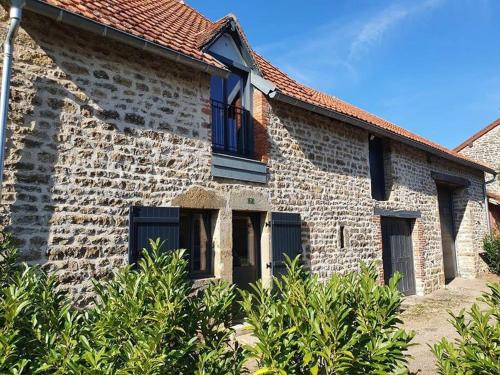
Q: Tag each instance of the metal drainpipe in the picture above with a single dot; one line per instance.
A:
(16, 8)
(486, 202)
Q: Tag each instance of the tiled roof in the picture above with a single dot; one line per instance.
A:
(479, 134)
(177, 26)
(292, 88)
(167, 22)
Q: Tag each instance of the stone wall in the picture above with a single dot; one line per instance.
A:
(96, 127)
(486, 149)
(319, 167)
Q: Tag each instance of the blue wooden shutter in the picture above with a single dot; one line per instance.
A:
(286, 239)
(377, 173)
(147, 223)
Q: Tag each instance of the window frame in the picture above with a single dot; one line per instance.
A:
(246, 110)
(207, 222)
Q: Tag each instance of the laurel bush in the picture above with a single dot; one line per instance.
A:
(477, 350)
(347, 325)
(145, 321)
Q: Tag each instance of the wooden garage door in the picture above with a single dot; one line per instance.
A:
(398, 252)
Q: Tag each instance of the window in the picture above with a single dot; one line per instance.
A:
(176, 228)
(377, 170)
(232, 128)
(342, 236)
(195, 235)
(244, 241)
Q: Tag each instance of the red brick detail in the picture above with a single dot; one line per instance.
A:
(419, 243)
(206, 109)
(261, 123)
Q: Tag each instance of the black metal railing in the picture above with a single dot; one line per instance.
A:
(232, 130)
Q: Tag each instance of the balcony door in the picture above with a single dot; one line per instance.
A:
(231, 125)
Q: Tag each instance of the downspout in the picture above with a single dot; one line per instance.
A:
(486, 202)
(16, 8)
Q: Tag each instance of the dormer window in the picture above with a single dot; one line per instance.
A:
(232, 128)
(233, 138)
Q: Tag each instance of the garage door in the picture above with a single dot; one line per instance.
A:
(398, 252)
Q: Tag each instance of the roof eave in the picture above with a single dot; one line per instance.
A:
(69, 18)
(469, 141)
(375, 129)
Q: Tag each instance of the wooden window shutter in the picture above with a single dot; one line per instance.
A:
(147, 223)
(377, 173)
(286, 239)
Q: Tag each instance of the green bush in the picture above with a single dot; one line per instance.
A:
(348, 325)
(151, 321)
(491, 247)
(146, 322)
(477, 350)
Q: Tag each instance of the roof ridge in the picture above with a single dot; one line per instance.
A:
(211, 28)
(477, 135)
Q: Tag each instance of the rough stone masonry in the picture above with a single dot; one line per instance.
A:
(96, 127)
(486, 149)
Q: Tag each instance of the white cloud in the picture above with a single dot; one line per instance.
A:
(339, 47)
(374, 29)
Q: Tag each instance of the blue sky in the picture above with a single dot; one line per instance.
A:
(431, 66)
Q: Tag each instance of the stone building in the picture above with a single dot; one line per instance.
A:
(484, 147)
(132, 120)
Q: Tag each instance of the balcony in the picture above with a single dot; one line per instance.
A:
(232, 130)
(233, 145)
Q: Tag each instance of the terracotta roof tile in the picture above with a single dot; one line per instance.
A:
(177, 26)
(479, 134)
(166, 22)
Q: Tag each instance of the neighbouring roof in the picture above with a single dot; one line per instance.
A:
(479, 134)
(179, 27)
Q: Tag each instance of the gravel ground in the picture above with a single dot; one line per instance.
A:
(428, 317)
